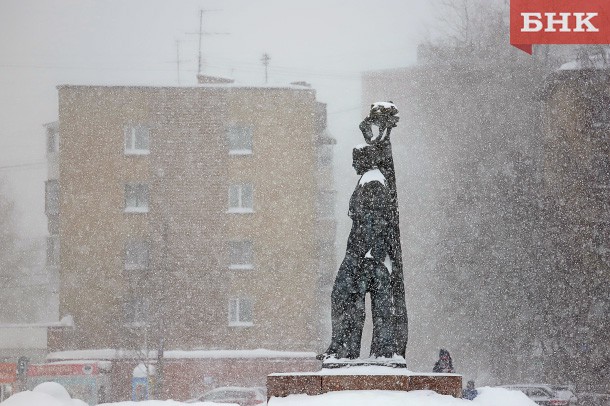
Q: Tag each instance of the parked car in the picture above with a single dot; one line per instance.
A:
(541, 394)
(565, 392)
(593, 399)
(234, 394)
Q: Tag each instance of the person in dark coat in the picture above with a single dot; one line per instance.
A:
(365, 268)
(444, 363)
(470, 392)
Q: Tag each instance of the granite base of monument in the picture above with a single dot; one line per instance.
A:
(361, 378)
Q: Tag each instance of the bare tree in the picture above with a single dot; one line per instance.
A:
(472, 26)
(16, 265)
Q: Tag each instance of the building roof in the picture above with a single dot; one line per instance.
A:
(110, 354)
(234, 85)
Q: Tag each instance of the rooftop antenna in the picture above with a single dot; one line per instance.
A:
(201, 33)
(265, 60)
(178, 61)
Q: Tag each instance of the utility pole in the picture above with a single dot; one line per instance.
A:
(200, 39)
(201, 33)
(178, 59)
(265, 60)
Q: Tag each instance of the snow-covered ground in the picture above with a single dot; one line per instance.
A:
(487, 397)
(53, 394)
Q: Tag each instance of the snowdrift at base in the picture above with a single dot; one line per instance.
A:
(166, 403)
(487, 397)
(53, 394)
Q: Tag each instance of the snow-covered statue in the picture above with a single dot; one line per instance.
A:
(373, 259)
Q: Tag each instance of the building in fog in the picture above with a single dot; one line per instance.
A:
(576, 178)
(192, 217)
(466, 152)
(504, 202)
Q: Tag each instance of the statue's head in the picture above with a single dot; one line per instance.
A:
(470, 385)
(364, 158)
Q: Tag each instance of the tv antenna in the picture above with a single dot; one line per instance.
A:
(178, 60)
(265, 60)
(201, 33)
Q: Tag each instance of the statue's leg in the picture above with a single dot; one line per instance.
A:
(347, 309)
(382, 307)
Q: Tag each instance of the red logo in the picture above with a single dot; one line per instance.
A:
(559, 22)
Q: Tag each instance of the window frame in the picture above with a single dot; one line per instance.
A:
(136, 305)
(240, 208)
(137, 208)
(53, 250)
(137, 266)
(130, 134)
(51, 204)
(235, 305)
(52, 140)
(324, 155)
(325, 204)
(240, 149)
(243, 265)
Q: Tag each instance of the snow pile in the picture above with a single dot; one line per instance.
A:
(45, 394)
(487, 397)
(53, 394)
(166, 403)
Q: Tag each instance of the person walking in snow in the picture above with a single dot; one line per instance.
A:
(470, 392)
(444, 363)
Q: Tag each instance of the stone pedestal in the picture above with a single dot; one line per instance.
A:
(316, 383)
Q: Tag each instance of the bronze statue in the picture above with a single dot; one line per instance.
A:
(373, 258)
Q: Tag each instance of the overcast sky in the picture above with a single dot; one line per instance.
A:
(44, 43)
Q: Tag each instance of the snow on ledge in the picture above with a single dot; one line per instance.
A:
(66, 321)
(111, 354)
(363, 370)
(258, 353)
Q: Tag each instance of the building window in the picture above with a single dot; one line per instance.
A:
(240, 312)
(52, 197)
(137, 255)
(53, 250)
(326, 204)
(241, 255)
(137, 140)
(600, 236)
(325, 155)
(52, 140)
(240, 198)
(600, 113)
(240, 140)
(53, 224)
(136, 310)
(136, 198)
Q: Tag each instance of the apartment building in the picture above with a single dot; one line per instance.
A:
(192, 217)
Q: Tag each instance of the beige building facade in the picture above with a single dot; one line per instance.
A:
(190, 217)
